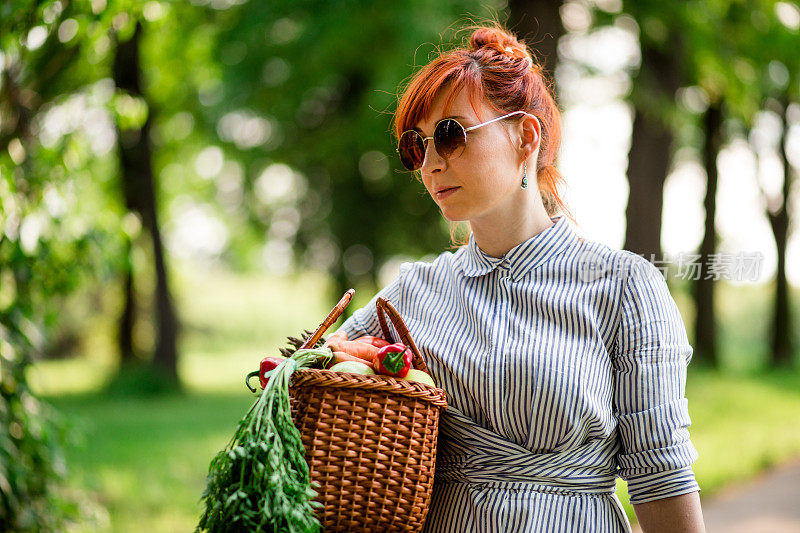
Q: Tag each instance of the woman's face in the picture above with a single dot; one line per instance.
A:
(488, 173)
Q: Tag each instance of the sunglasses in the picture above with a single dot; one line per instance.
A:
(449, 139)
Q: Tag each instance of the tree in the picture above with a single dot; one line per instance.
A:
(744, 59)
(773, 41)
(659, 76)
(139, 190)
(705, 324)
(782, 331)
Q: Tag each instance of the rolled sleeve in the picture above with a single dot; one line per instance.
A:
(650, 356)
(364, 321)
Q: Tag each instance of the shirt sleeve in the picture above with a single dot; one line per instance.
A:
(364, 321)
(651, 352)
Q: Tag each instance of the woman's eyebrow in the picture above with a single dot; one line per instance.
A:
(450, 116)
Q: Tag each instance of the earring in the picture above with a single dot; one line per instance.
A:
(524, 175)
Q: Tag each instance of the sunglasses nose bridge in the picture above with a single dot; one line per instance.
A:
(426, 142)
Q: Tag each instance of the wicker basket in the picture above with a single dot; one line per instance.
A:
(370, 442)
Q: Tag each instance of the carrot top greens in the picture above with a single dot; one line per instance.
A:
(260, 481)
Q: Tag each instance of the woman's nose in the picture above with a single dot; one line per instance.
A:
(432, 157)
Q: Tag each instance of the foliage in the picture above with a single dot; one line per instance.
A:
(739, 51)
(300, 105)
(32, 465)
(48, 246)
(32, 435)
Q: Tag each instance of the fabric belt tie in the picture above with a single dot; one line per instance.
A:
(469, 453)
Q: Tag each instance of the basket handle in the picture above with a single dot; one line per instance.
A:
(332, 317)
(384, 306)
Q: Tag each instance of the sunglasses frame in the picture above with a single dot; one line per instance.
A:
(466, 130)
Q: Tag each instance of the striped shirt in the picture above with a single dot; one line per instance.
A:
(564, 363)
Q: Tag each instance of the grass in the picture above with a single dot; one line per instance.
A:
(142, 461)
(743, 424)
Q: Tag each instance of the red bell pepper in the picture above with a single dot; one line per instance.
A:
(393, 360)
(267, 364)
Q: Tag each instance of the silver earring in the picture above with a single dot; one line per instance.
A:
(524, 175)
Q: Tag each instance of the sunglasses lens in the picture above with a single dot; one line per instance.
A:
(412, 150)
(449, 138)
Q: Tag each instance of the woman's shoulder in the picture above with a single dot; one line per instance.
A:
(428, 273)
(596, 260)
(431, 263)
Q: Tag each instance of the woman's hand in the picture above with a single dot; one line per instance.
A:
(678, 514)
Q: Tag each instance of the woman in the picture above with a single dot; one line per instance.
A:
(564, 360)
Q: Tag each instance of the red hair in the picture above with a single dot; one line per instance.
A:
(499, 70)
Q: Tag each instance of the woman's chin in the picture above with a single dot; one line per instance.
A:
(453, 215)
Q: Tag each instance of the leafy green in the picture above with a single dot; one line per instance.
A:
(261, 481)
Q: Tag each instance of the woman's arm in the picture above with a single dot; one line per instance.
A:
(678, 514)
(650, 356)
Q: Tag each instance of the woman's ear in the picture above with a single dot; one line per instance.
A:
(530, 134)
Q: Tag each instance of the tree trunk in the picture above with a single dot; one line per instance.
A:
(648, 165)
(125, 328)
(782, 353)
(705, 345)
(140, 196)
(650, 153)
(539, 24)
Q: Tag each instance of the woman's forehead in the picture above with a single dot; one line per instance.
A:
(455, 102)
(459, 108)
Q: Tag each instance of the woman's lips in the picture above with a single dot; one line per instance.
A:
(445, 193)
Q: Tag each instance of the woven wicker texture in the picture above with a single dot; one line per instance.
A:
(370, 443)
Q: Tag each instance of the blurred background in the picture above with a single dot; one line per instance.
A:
(185, 184)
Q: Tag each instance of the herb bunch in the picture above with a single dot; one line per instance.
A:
(260, 481)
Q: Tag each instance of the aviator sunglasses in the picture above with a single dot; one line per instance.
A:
(449, 139)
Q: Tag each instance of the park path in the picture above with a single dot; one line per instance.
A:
(770, 503)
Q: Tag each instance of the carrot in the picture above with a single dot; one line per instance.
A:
(338, 357)
(362, 350)
(374, 341)
(335, 337)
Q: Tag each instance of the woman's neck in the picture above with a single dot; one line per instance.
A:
(497, 234)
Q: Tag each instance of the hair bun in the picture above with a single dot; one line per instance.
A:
(499, 40)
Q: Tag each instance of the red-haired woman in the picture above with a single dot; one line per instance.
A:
(564, 360)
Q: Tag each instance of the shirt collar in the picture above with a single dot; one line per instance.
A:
(523, 257)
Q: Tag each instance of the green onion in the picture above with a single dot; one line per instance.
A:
(260, 481)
